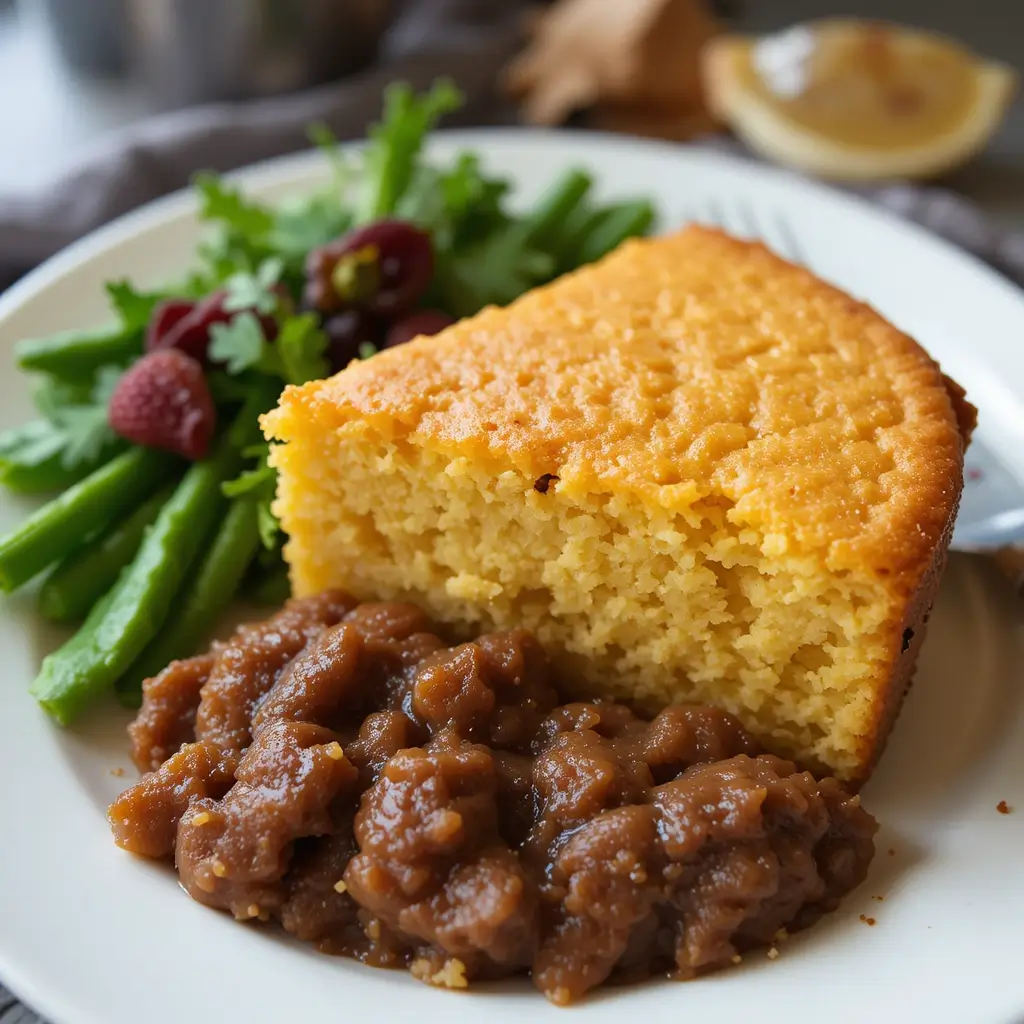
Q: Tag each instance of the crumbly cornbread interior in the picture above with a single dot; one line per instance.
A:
(699, 472)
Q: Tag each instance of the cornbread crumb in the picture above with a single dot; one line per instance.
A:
(736, 958)
(334, 751)
(340, 886)
(559, 996)
(698, 472)
(202, 818)
(451, 975)
(773, 953)
(117, 772)
(867, 920)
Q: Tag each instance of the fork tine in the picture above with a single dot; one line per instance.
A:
(691, 215)
(791, 247)
(747, 220)
(715, 211)
(742, 218)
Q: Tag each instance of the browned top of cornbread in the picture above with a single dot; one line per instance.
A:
(684, 368)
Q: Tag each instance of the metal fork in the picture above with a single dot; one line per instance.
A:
(740, 218)
(987, 535)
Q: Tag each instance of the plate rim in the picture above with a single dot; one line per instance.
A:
(277, 173)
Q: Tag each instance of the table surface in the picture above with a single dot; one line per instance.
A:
(49, 116)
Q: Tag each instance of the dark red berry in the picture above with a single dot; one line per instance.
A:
(346, 332)
(163, 401)
(164, 319)
(422, 322)
(191, 333)
(406, 265)
(322, 292)
(384, 267)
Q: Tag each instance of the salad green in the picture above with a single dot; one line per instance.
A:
(149, 550)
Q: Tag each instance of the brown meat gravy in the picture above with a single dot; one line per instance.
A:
(341, 770)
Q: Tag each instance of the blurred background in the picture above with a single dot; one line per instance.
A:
(74, 74)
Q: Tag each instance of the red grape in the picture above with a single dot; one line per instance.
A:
(346, 332)
(384, 268)
(163, 320)
(191, 332)
(421, 322)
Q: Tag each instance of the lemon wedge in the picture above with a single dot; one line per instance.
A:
(855, 100)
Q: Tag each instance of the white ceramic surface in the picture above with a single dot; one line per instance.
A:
(90, 936)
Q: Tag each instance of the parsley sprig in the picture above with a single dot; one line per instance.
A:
(259, 484)
(296, 355)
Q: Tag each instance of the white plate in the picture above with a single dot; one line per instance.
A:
(90, 936)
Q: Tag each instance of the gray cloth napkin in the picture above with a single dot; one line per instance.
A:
(466, 40)
(13, 1012)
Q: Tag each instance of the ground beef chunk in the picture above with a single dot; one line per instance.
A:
(145, 817)
(233, 852)
(382, 735)
(432, 865)
(603, 885)
(247, 667)
(210, 699)
(316, 905)
(167, 718)
(319, 686)
(741, 834)
(344, 771)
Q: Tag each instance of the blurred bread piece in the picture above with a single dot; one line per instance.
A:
(857, 101)
(635, 63)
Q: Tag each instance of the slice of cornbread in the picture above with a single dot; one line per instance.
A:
(700, 472)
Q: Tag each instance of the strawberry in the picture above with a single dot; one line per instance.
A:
(163, 401)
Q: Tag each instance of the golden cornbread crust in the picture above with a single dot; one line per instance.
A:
(697, 469)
